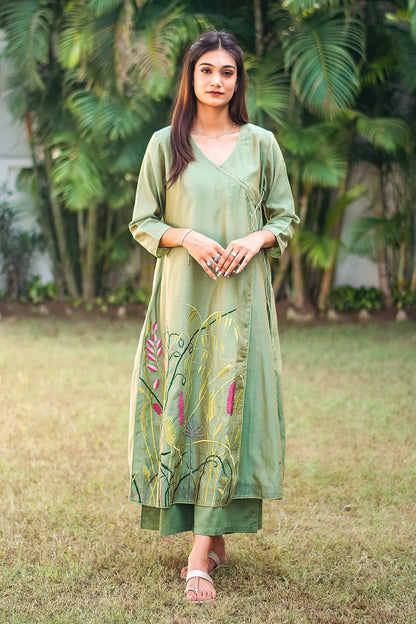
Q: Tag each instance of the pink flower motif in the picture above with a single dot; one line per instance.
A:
(157, 408)
(154, 327)
(152, 368)
(151, 357)
(230, 399)
(156, 384)
(180, 407)
(154, 338)
(159, 344)
(150, 342)
(159, 352)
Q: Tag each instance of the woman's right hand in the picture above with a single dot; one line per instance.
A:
(204, 249)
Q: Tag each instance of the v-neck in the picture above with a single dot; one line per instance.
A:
(228, 157)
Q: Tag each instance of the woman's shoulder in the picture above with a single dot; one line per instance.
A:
(260, 135)
(259, 132)
(162, 136)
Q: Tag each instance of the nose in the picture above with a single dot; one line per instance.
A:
(215, 79)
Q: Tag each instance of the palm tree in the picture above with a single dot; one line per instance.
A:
(92, 81)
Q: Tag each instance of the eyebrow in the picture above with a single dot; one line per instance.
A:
(224, 66)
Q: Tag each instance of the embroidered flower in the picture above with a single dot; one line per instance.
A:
(156, 384)
(157, 408)
(230, 399)
(153, 349)
(180, 407)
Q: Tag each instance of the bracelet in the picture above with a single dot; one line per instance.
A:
(183, 236)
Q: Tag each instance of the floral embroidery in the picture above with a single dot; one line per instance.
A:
(180, 407)
(191, 456)
(230, 398)
(154, 349)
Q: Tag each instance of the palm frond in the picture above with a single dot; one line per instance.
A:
(268, 92)
(301, 141)
(326, 168)
(367, 235)
(153, 57)
(128, 154)
(321, 249)
(379, 70)
(77, 35)
(28, 31)
(341, 204)
(75, 170)
(309, 6)
(386, 133)
(109, 116)
(324, 73)
(412, 11)
(101, 7)
(87, 45)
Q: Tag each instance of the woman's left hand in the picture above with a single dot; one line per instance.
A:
(241, 250)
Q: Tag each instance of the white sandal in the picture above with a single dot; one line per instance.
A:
(212, 555)
(197, 574)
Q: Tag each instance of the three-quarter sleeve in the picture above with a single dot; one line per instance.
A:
(147, 225)
(281, 218)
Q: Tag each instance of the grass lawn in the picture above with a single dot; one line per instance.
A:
(339, 548)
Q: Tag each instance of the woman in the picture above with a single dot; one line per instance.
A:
(206, 440)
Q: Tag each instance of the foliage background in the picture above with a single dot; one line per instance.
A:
(333, 79)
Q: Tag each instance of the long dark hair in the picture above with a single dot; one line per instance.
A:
(185, 107)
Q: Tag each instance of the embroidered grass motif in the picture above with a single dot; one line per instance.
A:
(190, 410)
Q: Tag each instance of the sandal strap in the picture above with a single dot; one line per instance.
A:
(213, 555)
(199, 574)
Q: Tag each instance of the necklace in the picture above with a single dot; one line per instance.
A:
(209, 136)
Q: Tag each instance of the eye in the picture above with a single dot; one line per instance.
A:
(205, 70)
(228, 74)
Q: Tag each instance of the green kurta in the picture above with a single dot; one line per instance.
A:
(208, 355)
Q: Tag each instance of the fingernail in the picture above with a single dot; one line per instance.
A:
(216, 269)
(237, 270)
(225, 274)
(220, 273)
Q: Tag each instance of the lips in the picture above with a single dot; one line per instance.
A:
(215, 93)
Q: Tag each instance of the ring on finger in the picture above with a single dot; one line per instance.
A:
(233, 253)
(217, 257)
(209, 262)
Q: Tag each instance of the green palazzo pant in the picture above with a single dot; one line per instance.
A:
(242, 515)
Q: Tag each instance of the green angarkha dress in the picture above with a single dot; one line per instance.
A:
(207, 437)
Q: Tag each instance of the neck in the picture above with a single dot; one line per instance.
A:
(211, 120)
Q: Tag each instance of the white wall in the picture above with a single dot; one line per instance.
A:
(14, 156)
(353, 270)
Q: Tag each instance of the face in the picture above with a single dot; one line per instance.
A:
(215, 77)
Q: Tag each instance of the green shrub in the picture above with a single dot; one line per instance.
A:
(127, 294)
(349, 299)
(405, 298)
(36, 292)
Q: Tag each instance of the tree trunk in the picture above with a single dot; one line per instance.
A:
(413, 280)
(58, 221)
(297, 297)
(88, 281)
(298, 285)
(383, 276)
(258, 26)
(281, 272)
(328, 274)
(45, 221)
